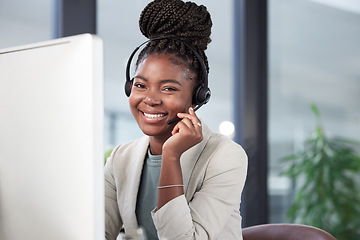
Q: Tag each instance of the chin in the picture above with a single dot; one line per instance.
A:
(156, 131)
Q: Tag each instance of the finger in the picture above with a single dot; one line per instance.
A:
(184, 124)
(191, 111)
(191, 115)
(192, 124)
(187, 122)
(198, 128)
(197, 122)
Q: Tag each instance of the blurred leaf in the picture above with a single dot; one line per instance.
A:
(107, 154)
(325, 176)
(315, 110)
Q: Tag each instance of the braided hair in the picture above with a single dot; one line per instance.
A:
(167, 21)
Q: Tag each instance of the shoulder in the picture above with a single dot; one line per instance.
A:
(130, 150)
(222, 161)
(223, 154)
(221, 145)
(130, 147)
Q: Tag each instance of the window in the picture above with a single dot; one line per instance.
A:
(313, 57)
(23, 22)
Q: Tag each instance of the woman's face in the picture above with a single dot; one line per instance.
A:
(161, 89)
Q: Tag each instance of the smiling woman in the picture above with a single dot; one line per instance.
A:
(160, 91)
(180, 173)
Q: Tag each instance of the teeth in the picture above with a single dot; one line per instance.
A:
(153, 115)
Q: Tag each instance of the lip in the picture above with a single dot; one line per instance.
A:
(153, 117)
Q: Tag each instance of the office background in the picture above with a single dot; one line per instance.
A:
(295, 52)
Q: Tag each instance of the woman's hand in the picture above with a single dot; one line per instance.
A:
(186, 133)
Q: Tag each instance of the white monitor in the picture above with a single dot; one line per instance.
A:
(51, 140)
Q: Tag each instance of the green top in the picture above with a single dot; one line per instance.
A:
(147, 195)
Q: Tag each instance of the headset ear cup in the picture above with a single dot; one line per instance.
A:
(128, 86)
(202, 95)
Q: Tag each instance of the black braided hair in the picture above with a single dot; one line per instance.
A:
(172, 20)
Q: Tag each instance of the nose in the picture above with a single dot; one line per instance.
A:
(152, 99)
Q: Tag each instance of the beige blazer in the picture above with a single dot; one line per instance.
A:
(214, 173)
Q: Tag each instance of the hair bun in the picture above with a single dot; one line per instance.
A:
(185, 21)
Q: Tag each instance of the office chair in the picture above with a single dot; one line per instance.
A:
(282, 231)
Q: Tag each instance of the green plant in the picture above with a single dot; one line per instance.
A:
(107, 154)
(326, 180)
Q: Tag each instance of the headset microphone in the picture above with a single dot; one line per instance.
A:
(174, 120)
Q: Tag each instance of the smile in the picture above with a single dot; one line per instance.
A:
(153, 115)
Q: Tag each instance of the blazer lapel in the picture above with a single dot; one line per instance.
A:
(191, 156)
(132, 185)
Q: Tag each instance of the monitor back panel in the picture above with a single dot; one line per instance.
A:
(51, 140)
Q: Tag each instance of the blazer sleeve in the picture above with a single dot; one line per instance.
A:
(113, 221)
(211, 207)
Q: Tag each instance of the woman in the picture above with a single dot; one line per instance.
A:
(180, 181)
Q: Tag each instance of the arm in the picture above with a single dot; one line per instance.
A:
(214, 206)
(184, 135)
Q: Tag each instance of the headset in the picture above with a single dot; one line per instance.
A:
(201, 94)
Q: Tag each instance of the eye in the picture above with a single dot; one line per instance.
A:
(170, 89)
(139, 85)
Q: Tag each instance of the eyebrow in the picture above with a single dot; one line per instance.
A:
(162, 81)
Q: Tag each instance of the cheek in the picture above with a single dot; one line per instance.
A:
(134, 101)
(181, 102)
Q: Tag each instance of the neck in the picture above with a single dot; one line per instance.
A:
(156, 144)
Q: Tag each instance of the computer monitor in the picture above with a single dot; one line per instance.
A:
(51, 140)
